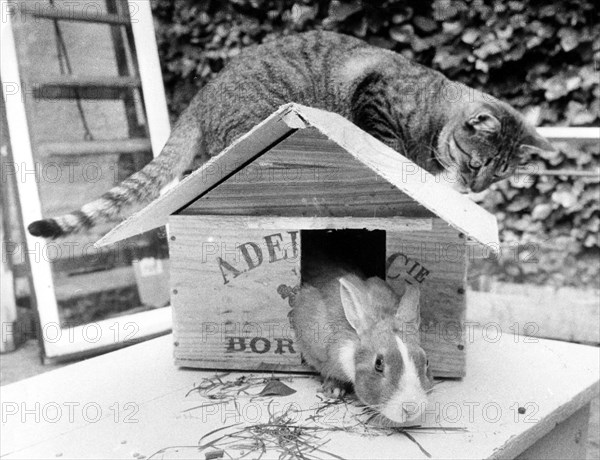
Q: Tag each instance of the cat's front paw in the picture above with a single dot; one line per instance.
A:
(334, 389)
(452, 180)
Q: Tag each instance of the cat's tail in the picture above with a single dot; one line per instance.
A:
(140, 187)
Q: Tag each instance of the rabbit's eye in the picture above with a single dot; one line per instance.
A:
(379, 363)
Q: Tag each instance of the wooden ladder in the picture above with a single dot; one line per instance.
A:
(72, 87)
(138, 72)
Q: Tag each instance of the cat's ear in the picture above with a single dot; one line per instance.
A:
(533, 144)
(484, 122)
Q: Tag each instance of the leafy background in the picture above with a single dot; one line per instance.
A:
(542, 57)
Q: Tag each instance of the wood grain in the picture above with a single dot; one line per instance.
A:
(102, 147)
(217, 314)
(213, 303)
(397, 224)
(8, 306)
(565, 442)
(538, 311)
(556, 379)
(306, 174)
(70, 87)
(74, 15)
(436, 262)
(67, 287)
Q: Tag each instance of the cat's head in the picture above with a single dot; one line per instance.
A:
(484, 143)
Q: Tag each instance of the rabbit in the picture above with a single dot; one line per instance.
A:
(358, 332)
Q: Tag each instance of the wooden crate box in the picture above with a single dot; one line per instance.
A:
(245, 227)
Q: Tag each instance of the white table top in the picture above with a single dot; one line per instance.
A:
(130, 403)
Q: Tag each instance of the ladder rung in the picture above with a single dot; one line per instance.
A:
(70, 86)
(93, 283)
(68, 14)
(102, 147)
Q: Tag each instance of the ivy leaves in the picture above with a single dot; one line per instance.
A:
(540, 57)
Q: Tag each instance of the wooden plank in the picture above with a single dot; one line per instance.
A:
(8, 306)
(538, 311)
(85, 81)
(570, 134)
(241, 152)
(69, 14)
(93, 283)
(551, 380)
(227, 311)
(148, 63)
(122, 41)
(398, 224)
(85, 87)
(565, 442)
(98, 147)
(8, 229)
(105, 335)
(81, 260)
(561, 172)
(436, 262)
(41, 272)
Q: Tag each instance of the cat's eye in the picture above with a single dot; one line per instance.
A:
(474, 163)
(379, 366)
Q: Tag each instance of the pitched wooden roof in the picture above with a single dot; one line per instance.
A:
(455, 208)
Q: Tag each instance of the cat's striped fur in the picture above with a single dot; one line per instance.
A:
(438, 124)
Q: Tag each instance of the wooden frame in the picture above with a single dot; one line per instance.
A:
(18, 128)
(58, 343)
(566, 313)
(149, 64)
(8, 307)
(564, 133)
(553, 382)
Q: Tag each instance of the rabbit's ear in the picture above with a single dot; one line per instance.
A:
(409, 310)
(352, 296)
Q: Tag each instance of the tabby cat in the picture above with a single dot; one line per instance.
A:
(443, 126)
